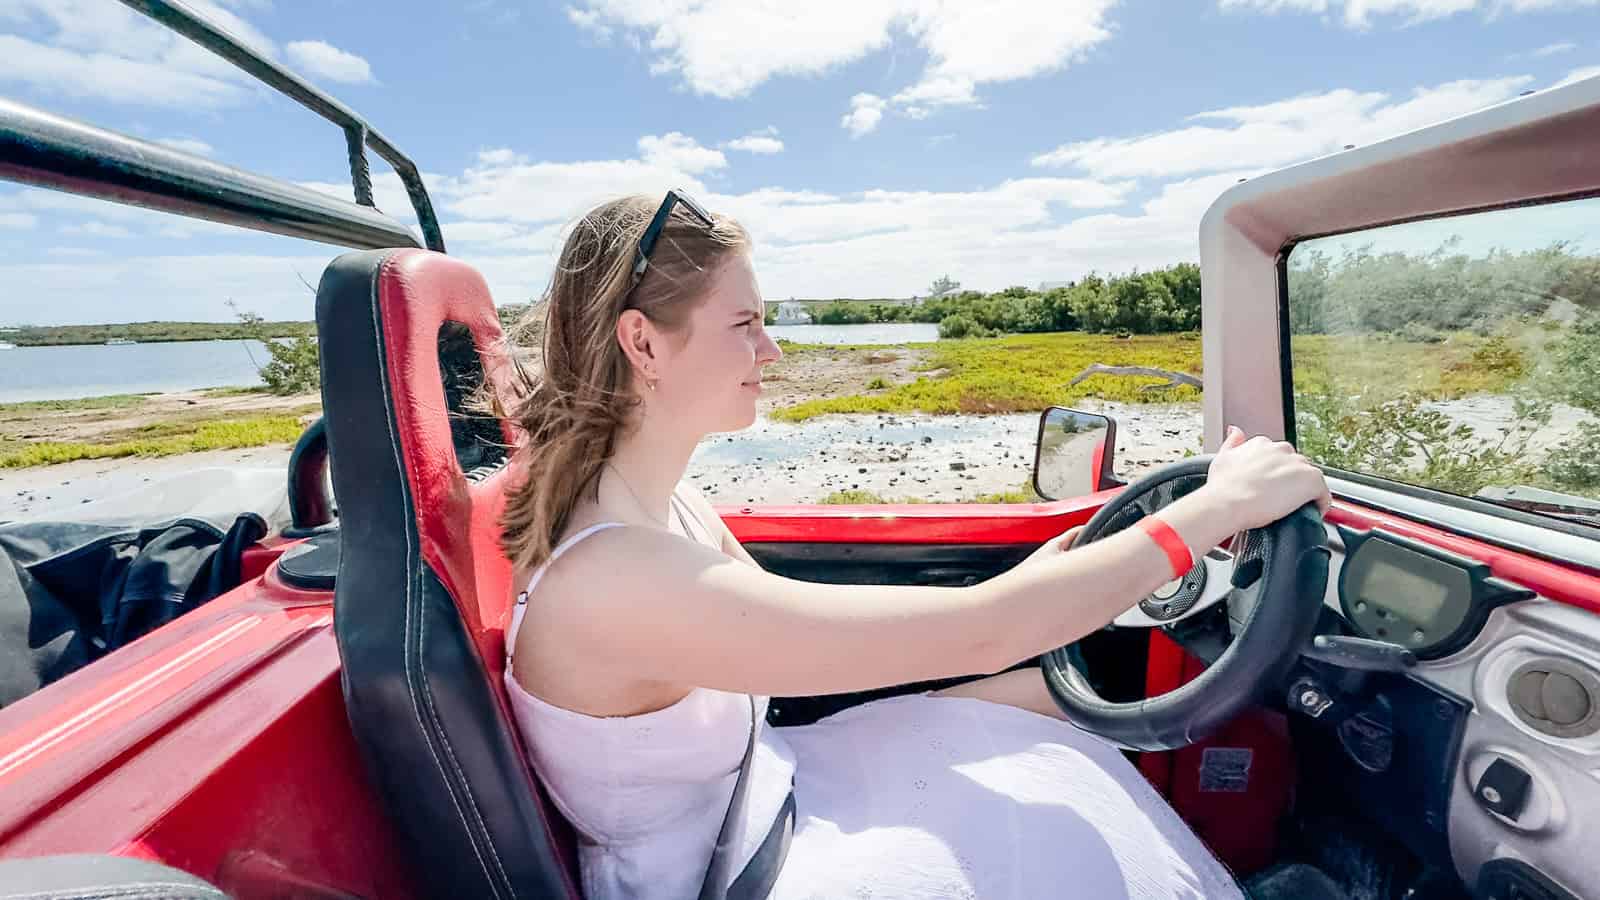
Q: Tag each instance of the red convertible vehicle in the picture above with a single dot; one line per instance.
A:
(1399, 700)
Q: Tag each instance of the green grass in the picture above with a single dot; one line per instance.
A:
(1019, 373)
(237, 391)
(159, 439)
(1023, 494)
(32, 407)
(1029, 372)
(152, 332)
(1380, 367)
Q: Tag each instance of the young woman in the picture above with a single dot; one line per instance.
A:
(645, 628)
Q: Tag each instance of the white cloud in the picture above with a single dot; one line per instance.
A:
(73, 252)
(764, 141)
(478, 232)
(1275, 134)
(1578, 75)
(1361, 13)
(776, 216)
(321, 59)
(866, 111)
(18, 220)
(543, 192)
(1553, 49)
(53, 70)
(99, 50)
(97, 229)
(679, 151)
(999, 40)
(900, 261)
(499, 156)
(188, 145)
(728, 48)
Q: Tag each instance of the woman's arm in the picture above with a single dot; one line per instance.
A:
(652, 607)
(645, 602)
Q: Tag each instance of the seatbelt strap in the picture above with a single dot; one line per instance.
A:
(760, 874)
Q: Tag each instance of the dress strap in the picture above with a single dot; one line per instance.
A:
(522, 598)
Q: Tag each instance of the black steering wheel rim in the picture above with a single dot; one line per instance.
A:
(1280, 574)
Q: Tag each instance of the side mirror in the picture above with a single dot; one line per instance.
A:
(1073, 455)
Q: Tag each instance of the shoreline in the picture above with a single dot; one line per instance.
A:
(919, 457)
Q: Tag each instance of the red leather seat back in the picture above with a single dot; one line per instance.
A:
(423, 590)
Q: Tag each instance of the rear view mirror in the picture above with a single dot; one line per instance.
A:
(1073, 455)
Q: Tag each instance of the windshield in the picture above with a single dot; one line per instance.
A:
(1459, 354)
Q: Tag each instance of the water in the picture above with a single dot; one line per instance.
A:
(884, 333)
(94, 370)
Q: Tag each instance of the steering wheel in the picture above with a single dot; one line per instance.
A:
(1273, 584)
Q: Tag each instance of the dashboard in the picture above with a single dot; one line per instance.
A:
(1461, 715)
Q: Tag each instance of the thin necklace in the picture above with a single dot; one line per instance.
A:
(637, 502)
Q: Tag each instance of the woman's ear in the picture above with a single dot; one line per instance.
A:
(635, 335)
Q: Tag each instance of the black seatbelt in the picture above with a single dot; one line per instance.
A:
(760, 874)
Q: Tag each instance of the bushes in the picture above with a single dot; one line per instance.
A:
(1155, 302)
(1440, 291)
(293, 367)
(962, 325)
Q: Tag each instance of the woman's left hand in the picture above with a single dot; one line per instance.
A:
(1056, 546)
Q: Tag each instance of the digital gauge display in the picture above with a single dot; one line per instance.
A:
(1401, 591)
(1416, 598)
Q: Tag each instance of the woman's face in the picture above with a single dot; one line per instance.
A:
(713, 378)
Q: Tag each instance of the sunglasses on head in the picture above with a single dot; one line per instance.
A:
(652, 232)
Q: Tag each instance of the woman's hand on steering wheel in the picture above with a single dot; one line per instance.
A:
(1259, 481)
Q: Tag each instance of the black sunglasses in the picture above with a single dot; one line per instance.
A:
(652, 232)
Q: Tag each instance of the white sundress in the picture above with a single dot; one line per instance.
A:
(910, 797)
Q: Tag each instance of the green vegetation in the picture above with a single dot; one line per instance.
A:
(1382, 367)
(1018, 373)
(153, 332)
(30, 408)
(160, 439)
(293, 367)
(1416, 297)
(1155, 302)
(1379, 340)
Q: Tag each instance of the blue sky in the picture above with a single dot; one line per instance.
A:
(870, 145)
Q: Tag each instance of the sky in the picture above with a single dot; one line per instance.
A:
(869, 146)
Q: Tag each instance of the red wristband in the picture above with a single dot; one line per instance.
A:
(1177, 551)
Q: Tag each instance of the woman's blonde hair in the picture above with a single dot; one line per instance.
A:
(571, 411)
